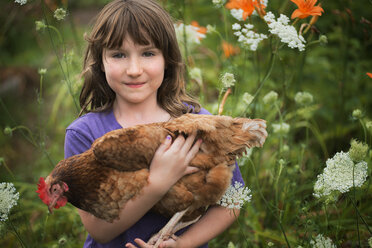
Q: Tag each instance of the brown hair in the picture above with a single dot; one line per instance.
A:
(146, 23)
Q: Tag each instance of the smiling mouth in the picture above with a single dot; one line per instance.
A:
(134, 85)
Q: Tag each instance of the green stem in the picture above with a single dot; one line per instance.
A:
(2, 161)
(269, 206)
(364, 130)
(354, 195)
(360, 216)
(325, 215)
(268, 73)
(17, 235)
(30, 134)
(67, 79)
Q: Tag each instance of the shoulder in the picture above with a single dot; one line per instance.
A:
(94, 124)
(203, 111)
(83, 131)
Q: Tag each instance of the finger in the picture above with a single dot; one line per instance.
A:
(165, 145)
(129, 245)
(193, 151)
(191, 169)
(168, 243)
(188, 143)
(178, 142)
(142, 243)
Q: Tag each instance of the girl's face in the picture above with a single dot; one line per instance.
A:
(134, 72)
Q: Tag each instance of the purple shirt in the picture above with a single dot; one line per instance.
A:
(79, 137)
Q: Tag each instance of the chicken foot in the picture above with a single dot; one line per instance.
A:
(173, 226)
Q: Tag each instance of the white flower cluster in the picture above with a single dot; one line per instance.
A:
(192, 35)
(235, 196)
(218, 3)
(237, 14)
(60, 14)
(21, 2)
(322, 242)
(281, 128)
(270, 97)
(247, 36)
(286, 33)
(247, 98)
(8, 199)
(338, 175)
(228, 80)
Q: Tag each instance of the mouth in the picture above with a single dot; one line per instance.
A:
(134, 85)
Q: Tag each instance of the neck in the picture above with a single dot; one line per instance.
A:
(128, 115)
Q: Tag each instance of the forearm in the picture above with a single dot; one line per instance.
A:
(214, 222)
(103, 231)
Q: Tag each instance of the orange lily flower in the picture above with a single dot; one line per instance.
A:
(202, 30)
(248, 6)
(369, 74)
(229, 50)
(306, 8)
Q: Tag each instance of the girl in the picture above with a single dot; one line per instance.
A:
(133, 74)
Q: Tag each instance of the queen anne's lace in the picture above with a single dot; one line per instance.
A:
(247, 37)
(228, 80)
(8, 199)
(235, 196)
(322, 242)
(287, 33)
(338, 175)
(21, 2)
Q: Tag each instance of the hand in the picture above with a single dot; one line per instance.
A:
(171, 160)
(170, 243)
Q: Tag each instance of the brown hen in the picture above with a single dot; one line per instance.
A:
(116, 167)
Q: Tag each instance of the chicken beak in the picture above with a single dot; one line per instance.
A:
(50, 208)
(52, 204)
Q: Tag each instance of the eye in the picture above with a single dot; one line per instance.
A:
(148, 54)
(118, 55)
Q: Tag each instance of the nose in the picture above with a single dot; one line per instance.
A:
(134, 68)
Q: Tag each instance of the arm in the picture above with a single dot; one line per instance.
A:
(214, 222)
(169, 164)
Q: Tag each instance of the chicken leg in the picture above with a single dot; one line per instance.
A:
(171, 228)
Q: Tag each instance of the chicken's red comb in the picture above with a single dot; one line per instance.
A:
(41, 190)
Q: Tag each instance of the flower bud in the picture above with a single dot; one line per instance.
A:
(281, 128)
(8, 131)
(270, 97)
(369, 126)
(323, 40)
(358, 151)
(62, 241)
(357, 114)
(211, 29)
(42, 71)
(303, 98)
(40, 25)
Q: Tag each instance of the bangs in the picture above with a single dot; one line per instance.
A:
(133, 21)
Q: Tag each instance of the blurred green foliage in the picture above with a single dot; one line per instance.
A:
(334, 73)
